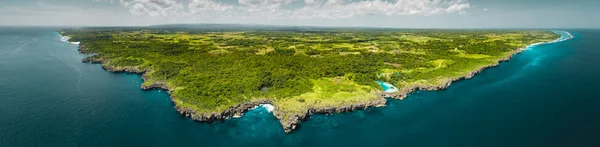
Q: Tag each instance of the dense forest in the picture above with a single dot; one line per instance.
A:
(212, 70)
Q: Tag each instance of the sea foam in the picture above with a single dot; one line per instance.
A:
(66, 39)
(564, 35)
(268, 107)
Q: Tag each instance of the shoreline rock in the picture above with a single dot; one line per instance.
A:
(290, 123)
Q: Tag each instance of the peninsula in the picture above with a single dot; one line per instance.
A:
(215, 72)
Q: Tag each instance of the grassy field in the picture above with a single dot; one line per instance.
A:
(211, 71)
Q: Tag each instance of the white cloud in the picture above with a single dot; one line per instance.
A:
(282, 9)
(155, 8)
(152, 8)
(344, 9)
(485, 9)
(48, 13)
(209, 8)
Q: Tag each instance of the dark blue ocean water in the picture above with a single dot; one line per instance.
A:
(548, 95)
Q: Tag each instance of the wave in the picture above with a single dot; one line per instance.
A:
(66, 39)
(564, 35)
(267, 107)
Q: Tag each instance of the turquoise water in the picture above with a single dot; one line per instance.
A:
(387, 87)
(546, 96)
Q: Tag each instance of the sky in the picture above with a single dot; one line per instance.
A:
(367, 13)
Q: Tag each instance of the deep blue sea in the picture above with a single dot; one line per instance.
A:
(549, 95)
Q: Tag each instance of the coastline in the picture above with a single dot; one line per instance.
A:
(290, 125)
(288, 121)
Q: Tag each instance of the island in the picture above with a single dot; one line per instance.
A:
(218, 71)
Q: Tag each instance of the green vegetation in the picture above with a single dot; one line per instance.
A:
(210, 71)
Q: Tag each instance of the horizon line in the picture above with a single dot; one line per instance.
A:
(278, 25)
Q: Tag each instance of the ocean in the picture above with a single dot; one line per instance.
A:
(547, 95)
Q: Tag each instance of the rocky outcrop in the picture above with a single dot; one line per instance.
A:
(237, 110)
(93, 59)
(127, 69)
(82, 49)
(291, 121)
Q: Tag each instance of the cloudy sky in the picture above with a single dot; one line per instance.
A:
(376, 13)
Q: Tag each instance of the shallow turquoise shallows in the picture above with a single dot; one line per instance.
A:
(387, 87)
(549, 95)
